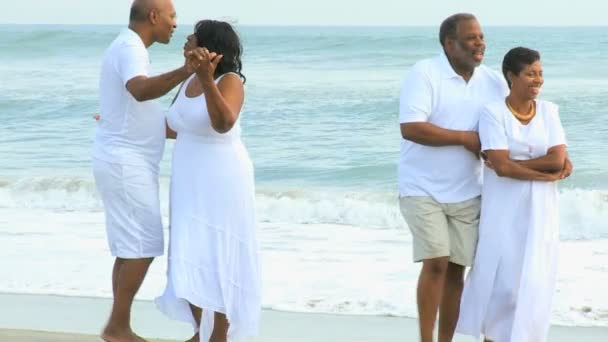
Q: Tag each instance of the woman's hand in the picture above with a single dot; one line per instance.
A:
(204, 63)
(567, 170)
(555, 176)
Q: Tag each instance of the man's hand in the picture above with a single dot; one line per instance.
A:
(188, 56)
(97, 117)
(486, 161)
(470, 141)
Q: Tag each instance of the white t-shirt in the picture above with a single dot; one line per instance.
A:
(129, 132)
(433, 92)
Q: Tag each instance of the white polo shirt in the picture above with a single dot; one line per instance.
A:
(129, 132)
(433, 92)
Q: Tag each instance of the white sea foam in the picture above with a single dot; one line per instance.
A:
(584, 212)
(341, 269)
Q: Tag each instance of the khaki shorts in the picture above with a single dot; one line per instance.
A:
(441, 230)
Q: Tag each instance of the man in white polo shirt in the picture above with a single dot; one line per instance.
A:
(439, 169)
(127, 150)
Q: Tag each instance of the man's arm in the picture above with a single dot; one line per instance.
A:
(425, 133)
(415, 107)
(148, 88)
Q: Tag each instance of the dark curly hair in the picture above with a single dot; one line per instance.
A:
(221, 38)
(517, 59)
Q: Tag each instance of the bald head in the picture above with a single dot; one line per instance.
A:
(140, 9)
(153, 20)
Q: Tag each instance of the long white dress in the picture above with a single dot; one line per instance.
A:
(509, 290)
(213, 253)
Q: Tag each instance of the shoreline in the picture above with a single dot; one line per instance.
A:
(50, 318)
(145, 302)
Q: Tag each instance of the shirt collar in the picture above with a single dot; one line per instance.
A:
(446, 68)
(132, 35)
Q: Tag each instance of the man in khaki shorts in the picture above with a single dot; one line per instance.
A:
(439, 168)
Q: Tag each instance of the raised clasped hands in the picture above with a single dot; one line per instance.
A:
(203, 63)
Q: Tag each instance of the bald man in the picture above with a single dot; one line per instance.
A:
(127, 150)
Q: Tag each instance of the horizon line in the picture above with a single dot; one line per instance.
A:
(312, 25)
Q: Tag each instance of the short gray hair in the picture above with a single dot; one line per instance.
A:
(449, 26)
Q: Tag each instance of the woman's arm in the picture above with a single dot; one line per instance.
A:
(505, 167)
(568, 167)
(224, 101)
(553, 161)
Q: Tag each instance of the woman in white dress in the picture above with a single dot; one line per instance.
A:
(508, 292)
(213, 277)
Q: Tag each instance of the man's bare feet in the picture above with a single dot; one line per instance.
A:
(139, 338)
(125, 336)
(194, 338)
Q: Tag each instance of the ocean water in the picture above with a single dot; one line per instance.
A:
(320, 122)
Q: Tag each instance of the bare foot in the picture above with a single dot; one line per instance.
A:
(139, 338)
(109, 335)
(194, 338)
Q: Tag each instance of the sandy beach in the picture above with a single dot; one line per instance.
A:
(45, 318)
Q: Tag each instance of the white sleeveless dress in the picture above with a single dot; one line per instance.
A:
(213, 253)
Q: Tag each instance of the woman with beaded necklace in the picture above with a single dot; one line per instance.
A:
(509, 291)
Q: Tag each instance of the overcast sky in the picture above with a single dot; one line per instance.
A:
(318, 12)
